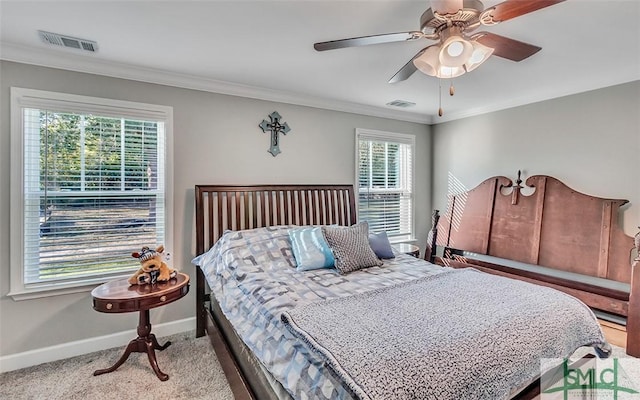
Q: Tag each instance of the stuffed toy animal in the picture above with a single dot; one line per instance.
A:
(152, 267)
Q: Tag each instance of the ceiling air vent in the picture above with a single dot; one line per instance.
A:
(401, 104)
(68, 41)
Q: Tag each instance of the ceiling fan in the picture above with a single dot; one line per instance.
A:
(452, 24)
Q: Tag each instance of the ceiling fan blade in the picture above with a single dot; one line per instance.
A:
(406, 71)
(446, 6)
(367, 40)
(515, 8)
(505, 47)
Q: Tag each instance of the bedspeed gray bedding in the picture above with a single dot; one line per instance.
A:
(423, 340)
(252, 274)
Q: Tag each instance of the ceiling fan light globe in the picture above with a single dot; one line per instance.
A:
(476, 57)
(428, 62)
(455, 48)
(445, 72)
(480, 54)
(425, 68)
(455, 52)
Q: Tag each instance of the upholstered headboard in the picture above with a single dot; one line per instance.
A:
(544, 223)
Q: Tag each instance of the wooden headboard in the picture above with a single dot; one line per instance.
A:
(231, 207)
(544, 223)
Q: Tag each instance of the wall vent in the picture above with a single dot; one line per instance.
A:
(401, 104)
(68, 41)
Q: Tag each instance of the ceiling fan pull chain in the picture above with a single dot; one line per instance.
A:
(440, 98)
(452, 90)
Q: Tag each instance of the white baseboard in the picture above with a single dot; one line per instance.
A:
(79, 347)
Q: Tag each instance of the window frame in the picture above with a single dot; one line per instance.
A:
(403, 138)
(31, 98)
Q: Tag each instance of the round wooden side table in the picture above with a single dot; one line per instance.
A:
(119, 297)
(409, 249)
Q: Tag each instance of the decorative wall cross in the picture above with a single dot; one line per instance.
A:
(275, 127)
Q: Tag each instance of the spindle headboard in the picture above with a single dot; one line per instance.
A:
(231, 207)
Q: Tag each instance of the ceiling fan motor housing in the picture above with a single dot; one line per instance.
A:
(467, 17)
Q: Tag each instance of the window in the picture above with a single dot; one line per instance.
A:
(384, 172)
(90, 184)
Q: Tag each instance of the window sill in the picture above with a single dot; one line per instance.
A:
(398, 241)
(42, 290)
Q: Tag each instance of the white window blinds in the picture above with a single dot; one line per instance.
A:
(93, 190)
(385, 182)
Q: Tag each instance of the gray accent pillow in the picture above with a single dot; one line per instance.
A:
(350, 247)
(380, 245)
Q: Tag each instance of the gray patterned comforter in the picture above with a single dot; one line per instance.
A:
(252, 275)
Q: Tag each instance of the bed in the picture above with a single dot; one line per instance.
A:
(247, 285)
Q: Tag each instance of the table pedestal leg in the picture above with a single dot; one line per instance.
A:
(146, 342)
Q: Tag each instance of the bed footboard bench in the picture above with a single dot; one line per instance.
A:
(549, 234)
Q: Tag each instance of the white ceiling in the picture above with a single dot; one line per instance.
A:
(264, 49)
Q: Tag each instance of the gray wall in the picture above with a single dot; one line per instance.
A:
(590, 141)
(216, 140)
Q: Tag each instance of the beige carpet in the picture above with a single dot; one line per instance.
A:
(193, 369)
(194, 373)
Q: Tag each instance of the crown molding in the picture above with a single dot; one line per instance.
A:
(595, 83)
(68, 60)
(91, 64)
